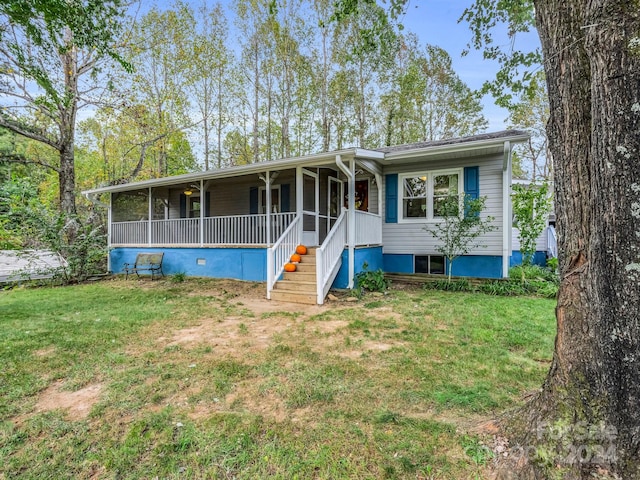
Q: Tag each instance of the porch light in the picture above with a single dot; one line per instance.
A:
(188, 192)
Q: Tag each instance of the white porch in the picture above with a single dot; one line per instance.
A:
(332, 202)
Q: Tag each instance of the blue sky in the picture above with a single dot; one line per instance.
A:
(436, 22)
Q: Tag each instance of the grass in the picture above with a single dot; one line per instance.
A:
(204, 379)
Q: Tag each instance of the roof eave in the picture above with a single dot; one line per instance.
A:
(454, 147)
(307, 160)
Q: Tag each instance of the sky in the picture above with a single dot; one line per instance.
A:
(436, 22)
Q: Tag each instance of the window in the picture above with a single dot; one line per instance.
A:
(275, 200)
(193, 206)
(432, 264)
(428, 195)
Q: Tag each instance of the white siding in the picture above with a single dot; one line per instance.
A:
(412, 238)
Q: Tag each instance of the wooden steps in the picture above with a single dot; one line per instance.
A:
(298, 286)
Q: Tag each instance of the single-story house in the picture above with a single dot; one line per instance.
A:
(356, 206)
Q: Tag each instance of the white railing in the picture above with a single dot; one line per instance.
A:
(175, 232)
(552, 242)
(368, 228)
(280, 252)
(227, 230)
(328, 256)
(130, 232)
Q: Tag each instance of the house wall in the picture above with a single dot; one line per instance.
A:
(369, 256)
(230, 196)
(238, 263)
(403, 240)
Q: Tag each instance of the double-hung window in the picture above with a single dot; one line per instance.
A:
(428, 195)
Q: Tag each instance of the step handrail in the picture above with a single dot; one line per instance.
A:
(280, 252)
(329, 256)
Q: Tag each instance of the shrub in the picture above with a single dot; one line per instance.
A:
(460, 285)
(373, 281)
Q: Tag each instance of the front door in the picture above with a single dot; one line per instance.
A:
(310, 208)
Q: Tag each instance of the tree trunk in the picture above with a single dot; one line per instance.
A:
(587, 416)
(66, 178)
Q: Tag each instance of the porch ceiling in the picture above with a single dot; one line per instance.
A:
(254, 168)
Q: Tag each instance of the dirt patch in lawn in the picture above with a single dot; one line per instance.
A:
(77, 404)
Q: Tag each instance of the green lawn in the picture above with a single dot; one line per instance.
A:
(205, 379)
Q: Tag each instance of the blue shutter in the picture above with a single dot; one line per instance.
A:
(471, 182)
(391, 198)
(285, 197)
(253, 200)
(183, 205)
(207, 204)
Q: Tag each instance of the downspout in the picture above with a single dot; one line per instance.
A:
(506, 209)
(351, 214)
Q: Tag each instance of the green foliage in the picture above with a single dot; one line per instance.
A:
(178, 277)
(531, 206)
(372, 281)
(458, 234)
(533, 272)
(518, 67)
(460, 285)
(552, 264)
(31, 225)
(480, 454)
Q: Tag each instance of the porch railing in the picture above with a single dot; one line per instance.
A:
(130, 232)
(328, 257)
(281, 251)
(178, 231)
(368, 228)
(227, 230)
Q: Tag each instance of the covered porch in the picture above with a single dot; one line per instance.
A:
(331, 199)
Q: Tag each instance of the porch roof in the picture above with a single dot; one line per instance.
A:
(486, 143)
(281, 164)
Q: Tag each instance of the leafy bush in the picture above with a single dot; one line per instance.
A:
(533, 273)
(503, 288)
(552, 264)
(373, 281)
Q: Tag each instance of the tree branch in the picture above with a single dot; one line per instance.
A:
(21, 159)
(25, 131)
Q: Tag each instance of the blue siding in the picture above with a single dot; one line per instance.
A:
(398, 263)
(539, 258)
(371, 255)
(391, 198)
(481, 266)
(236, 263)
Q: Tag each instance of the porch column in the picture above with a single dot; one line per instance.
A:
(299, 199)
(150, 217)
(267, 183)
(203, 199)
(109, 219)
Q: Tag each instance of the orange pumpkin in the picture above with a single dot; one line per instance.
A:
(289, 267)
(301, 250)
(295, 258)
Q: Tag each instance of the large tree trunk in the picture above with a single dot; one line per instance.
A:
(587, 416)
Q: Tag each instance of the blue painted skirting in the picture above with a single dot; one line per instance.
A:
(480, 266)
(539, 258)
(237, 263)
(372, 256)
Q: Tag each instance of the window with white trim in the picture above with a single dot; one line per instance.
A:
(425, 194)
